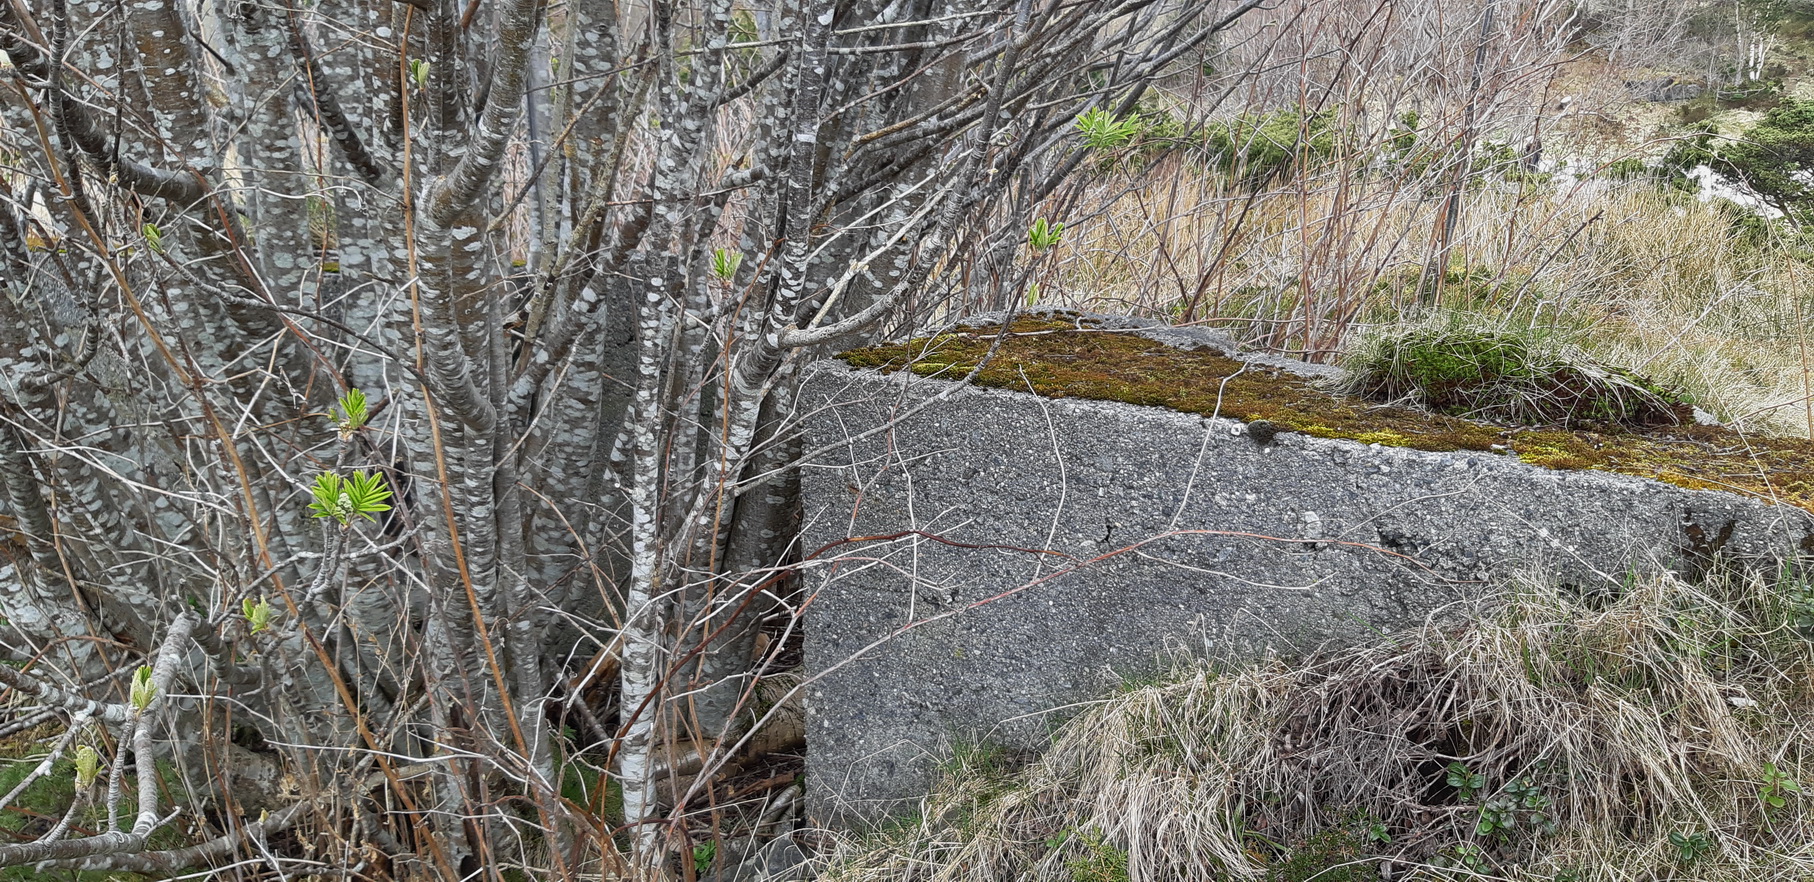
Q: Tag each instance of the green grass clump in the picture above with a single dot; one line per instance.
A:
(1333, 854)
(1515, 376)
(1100, 861)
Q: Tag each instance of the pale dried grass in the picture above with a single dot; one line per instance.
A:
(1645, 279)
(1651, 716)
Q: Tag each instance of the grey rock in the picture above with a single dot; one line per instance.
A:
(777, 860)
(782, 861)
(1664, 89)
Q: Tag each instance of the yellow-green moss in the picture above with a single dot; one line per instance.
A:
(1052, 357)
(1386, 438)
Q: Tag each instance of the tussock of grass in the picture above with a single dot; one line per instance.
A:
(1508, 375)
(1598, 733)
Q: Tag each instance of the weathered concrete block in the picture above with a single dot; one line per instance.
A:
(1038, 551)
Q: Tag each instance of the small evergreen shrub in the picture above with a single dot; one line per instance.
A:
(1772, 157)
(1627, 169)
(1260, 147)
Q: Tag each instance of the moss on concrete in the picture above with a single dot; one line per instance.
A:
(1050, 356)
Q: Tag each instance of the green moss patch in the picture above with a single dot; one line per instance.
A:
(1051, 356)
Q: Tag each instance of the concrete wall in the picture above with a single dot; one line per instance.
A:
(1077, 567)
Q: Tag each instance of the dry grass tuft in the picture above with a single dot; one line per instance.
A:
(1634, 741)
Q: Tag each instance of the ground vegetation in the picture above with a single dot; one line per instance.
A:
(1660, 734)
